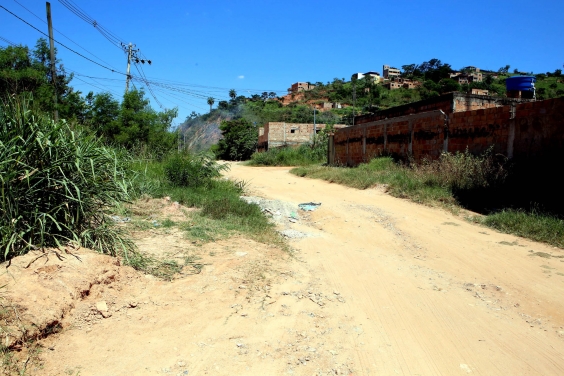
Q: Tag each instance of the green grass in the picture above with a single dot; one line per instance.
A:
(56, 185)
(303, 155)
(442, 183)
(222, 212)
(400, 181)
(533, 225)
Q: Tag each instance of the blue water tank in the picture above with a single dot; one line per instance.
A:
(521, 83)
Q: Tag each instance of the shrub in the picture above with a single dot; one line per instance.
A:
(463, 171)
(239, 140)
(189, 170)
(55, 185)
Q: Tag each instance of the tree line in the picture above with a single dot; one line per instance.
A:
(128, 121)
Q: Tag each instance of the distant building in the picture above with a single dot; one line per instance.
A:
(281, 134)
(375, 76)
(468, 74)
(471, 69)
(390, 72)
(402, 82)
(300, 86)
(479, 92)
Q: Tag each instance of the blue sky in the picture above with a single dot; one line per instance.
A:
(254, 46)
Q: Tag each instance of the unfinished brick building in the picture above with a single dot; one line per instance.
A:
(300, 86)
(451, 123)
(280, 134)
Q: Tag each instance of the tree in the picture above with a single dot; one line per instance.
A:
(232, 94)
(448, 85)
(211, 101)
(103, 115)
(239, 142)
(504, 70)
(408, 70)
(22, 70)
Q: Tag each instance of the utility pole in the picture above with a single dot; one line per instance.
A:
(53, 68)
(129, 49)
(314, 126)
(133, 54)
(353, 79)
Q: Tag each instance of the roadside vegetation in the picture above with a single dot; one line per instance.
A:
(507, 195)
(63, 183)
(193, 181)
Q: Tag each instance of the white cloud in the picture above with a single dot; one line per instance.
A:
(240, 77)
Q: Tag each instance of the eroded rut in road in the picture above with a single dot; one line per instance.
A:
(380, 286)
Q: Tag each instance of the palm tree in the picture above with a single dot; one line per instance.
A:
(232, 94)
(211, 101)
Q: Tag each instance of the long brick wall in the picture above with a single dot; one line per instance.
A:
(516, 130)
(448, 103)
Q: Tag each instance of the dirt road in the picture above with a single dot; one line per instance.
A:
(380, 286)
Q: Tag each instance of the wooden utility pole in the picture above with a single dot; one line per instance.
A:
(53, 68)
(129, 50)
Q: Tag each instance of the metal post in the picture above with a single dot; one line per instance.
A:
(353, 79)
(314, 126)
(53, 68)
(129, 49)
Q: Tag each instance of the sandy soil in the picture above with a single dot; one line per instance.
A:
(380, 286)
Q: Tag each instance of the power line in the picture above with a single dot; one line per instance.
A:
(68, 48)
(59, 32)
(97, 87)
(75, 9)
(169, 95)
(148, 86)
(7, 41)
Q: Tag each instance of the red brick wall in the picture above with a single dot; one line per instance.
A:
(537, 128)
(448, 103)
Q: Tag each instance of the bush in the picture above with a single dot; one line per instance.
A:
(288, 156)
(188, 170)
(463, 171)
(55, 185)
(239, 140)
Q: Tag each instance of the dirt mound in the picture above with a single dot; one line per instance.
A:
(42, 288)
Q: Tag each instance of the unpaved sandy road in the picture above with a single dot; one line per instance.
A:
(381, 286)
(434, 295)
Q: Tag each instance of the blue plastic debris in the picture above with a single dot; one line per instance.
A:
(309, 206)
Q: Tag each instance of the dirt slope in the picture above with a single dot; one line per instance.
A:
(380, 286)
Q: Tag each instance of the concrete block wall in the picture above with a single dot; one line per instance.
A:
(517, 130)
(277, 134)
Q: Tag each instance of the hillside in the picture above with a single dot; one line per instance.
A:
(431, 78)
(202, 131)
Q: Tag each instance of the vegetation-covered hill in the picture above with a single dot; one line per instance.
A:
(361, 96)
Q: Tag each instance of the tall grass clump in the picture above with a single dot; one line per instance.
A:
(302, 155)
(463, 171)
(56, 185)
(192, 170)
